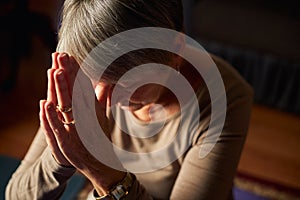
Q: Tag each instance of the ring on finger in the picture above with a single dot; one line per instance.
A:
(64, 109)
(68, 123)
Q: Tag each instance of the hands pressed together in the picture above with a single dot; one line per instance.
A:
(59, 125)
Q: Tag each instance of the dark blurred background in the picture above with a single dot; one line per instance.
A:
(27, 37)
(260, 38)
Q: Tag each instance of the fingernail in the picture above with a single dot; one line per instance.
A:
(64, 57)
(49, 106)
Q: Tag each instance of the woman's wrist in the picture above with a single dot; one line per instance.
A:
(102, 177)
(65, 165)
(106, 182)
(118, 190)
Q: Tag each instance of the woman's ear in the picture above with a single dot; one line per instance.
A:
(179, 43)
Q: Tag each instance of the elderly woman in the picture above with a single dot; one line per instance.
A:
(137, 117)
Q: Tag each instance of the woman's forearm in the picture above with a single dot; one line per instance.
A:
(44, 179)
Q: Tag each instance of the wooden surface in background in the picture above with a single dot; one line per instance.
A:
(272, 149)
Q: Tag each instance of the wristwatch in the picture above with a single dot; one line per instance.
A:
(119, 191)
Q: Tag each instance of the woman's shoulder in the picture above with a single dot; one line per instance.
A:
(233, 81)
(215, 69)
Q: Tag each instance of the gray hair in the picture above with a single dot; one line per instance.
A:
(86, 23)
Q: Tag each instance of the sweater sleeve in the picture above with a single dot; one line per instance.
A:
(39, 176)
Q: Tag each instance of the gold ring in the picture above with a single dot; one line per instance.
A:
(64, 109)
(68, 123)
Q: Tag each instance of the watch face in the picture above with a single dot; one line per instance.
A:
(119, 192)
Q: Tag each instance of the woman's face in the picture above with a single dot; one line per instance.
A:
(142, 87)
